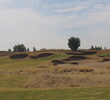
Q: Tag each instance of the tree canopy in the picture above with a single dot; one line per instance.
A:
(74, 43)
(19, 48)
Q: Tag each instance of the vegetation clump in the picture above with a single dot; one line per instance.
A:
(19, 48)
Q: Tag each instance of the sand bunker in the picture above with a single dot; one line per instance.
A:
(57, 62)
(19, 56)
(72, 58)
(75, 63)
(41, 55)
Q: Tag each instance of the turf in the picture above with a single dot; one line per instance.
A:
(58, 94)
(104, 55)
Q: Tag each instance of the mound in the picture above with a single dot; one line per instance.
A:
(41, 55)
(19, 56)
(103, 59)
(5, 53)
(72, 58)
(56, 62)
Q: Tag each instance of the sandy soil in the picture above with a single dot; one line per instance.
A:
(97, 66)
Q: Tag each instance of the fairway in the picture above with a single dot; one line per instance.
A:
(58, 94)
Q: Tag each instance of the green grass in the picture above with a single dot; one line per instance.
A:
(104, 55)
(7, 63)
(58, 94)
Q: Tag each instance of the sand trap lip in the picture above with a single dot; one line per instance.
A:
(41, 55)
(57, 62)
(75, 63)
(72, 58)
(19, 56)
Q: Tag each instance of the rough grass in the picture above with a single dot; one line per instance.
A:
(104, 55)
(58, 94)
(103, 59)
(40, 73)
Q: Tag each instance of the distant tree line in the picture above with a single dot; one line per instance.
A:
(95, 48)
(73, 43)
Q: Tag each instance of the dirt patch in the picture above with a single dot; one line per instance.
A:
(19, 56)
(57, 62)
(41, 55)
(72, 58)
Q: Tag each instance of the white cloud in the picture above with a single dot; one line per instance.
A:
(78, 8)
(35, 28)
(28, 27)
(4, 1)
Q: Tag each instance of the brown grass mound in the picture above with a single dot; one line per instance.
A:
(82, 53)
(56, 62)
(103, 59)
(41, 55)
(19, 56)
(72, 58)
(61, 70)
(5, 53)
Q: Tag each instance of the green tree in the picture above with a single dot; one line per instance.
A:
(92, 47)
(27, 50)
(74, 43)
(9, 50)
(19, 48)
(34, 49)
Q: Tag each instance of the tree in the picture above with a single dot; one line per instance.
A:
(19, 48)
(27, 50)
(74, 43)
(34, 49)
(92, 47)
(95, 48)
(9, 50)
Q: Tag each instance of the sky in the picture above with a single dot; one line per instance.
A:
(50, 23)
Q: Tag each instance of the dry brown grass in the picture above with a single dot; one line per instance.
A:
(67, 80)
(70, 69)
(108, 66)
(102, 59)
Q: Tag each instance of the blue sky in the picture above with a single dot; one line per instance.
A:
(49, 23)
